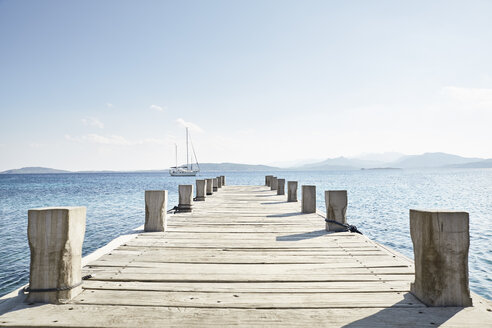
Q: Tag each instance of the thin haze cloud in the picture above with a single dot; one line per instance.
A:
(479, 97)
(157, 108)
(92, 121)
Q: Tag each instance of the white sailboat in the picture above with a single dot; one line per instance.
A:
(188, 169)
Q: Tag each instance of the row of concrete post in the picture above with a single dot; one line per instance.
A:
(279, 185)
(441, 240)
(56, 235)
(206, 187)
(156, 201)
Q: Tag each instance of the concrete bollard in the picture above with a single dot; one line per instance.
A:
(440, 245)
(308, 199)
(222, 177)
(55, 237)
(215, 184)
(155, 210)
(280, 186)
(274, 183)
(185, 198)
(210, 186)
(201, 186)
(336, 207)
(292, 191)
(219, 182)
(268, 179)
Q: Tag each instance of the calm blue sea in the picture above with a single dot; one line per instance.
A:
(379, 201)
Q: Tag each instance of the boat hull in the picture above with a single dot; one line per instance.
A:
(183, 174)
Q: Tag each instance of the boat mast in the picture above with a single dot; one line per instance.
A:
(187, 160)
(176, 153)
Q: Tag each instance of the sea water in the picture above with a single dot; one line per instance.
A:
(379, 203)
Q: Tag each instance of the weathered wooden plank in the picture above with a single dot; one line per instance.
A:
(263, 268)
(247, 300)
(116, 274)
(263, 287)
(245, 258)
(131, 316)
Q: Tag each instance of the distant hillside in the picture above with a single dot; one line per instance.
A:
(427, 160)
(203, 167)
(432, 160)
(485, 164)
(235, 167)
(341, 163)
(34, 170)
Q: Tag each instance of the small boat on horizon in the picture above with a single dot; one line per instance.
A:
(185, 170)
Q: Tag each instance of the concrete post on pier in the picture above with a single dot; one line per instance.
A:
(201, 186)
(280, 186)
(274, 183)
(210, 186)
(185, 198)
(336, 208)
(219, 182)
(215, 184)
(308, 199)
(440, 245)
(222, 177)
(155, 210)
(292, 191)
(55, 237)
(268, 179)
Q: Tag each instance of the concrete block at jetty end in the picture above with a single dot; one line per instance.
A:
(268, 179)
(222, 179)
(219, 182)
(201, 189)
(55, 235)
(280, 186)
(292, 191)
(336, 208)
(210, 186)
(274, 183)
(308, 199)
(155, 210)
(441, 240)
(185, 198)
(215, 184)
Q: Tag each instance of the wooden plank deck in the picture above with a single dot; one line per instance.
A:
(246, 257)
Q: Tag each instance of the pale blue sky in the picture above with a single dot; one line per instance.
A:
(109, 84)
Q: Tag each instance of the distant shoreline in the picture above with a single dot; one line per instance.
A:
(381, 168)
(423, 161)
(239, 171)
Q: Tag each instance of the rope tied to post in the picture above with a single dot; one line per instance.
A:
(177, 209)
(173, 210)
(349, 227)
(58, 289)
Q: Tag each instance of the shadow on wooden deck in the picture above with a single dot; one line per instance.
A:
(302, 236)
(400, 315)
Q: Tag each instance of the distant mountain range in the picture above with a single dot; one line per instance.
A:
(33, 170)
(367, 161)
(427, 160)
(206, 167)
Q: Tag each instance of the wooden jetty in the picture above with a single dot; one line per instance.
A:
(245, 257)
